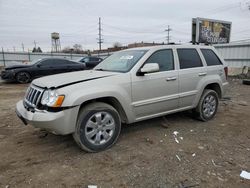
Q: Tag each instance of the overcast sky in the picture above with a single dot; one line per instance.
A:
(124, 21)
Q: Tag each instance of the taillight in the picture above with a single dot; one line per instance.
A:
(226, 71)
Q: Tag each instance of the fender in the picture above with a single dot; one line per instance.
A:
(210, 79)
(76, 98)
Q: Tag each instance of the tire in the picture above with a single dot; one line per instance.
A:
(23, 77)
(92, 134)
(246, 81)
(207, 106)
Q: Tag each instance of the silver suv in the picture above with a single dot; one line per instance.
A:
(129, 86)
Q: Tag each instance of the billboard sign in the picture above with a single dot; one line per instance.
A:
(210, 31)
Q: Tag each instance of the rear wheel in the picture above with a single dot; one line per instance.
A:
(98, 127)
(207, 106)
(23, 77)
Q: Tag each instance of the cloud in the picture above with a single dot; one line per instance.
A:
(124, 21)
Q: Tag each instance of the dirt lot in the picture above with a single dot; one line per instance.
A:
(210, 154)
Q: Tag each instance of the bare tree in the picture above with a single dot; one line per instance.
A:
(77, 48)
(117, 45)
(67, 49)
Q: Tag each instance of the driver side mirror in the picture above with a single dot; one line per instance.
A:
(149, 68)
(38, 65)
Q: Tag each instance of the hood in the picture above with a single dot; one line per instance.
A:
(17, 67)
(66, 79)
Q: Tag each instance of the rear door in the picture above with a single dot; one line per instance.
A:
(156, 93)
(73, 66)
(191, 72)
(58, 66)
(214, 64)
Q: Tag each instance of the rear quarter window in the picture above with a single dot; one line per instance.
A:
(210, 57)
(189, 58)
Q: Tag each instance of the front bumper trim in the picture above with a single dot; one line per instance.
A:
(62, 122)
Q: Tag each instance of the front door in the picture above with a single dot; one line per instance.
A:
(156, 93)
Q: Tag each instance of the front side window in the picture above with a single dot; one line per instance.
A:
(189, 58)
(47, 62)
(164, 58)
(122, 61)
(210, 57)
(94, 59)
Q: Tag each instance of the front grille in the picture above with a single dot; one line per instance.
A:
(33, 96)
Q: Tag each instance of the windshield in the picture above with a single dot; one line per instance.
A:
(122, 61)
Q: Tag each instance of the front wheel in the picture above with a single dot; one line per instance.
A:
(23, 77)
(98, 127)
(207, 106)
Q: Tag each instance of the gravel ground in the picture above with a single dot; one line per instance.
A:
(210, 154)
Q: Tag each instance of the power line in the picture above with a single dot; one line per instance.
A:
(132, 30)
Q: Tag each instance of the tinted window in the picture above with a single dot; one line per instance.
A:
(86, 59)
(57, 62)
(210, 57)
(164, 58)
(47, 62)
(54, 62)
(93, 59)
(70, 62)
(65, 62)
(189, 58)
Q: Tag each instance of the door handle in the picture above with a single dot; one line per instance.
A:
(202, 74)
(171, 78)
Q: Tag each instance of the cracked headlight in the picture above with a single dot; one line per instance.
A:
(52, 99)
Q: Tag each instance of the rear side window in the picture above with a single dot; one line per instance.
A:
(67, 62)
(94, 59)
(189, 58)
(164, 58)
(46, 62)
(59, 62)
(210, 57)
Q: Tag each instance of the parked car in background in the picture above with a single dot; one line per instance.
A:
(42, 67)
(90, 61)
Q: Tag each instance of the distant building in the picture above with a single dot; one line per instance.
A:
(132, 45)
(112, 49)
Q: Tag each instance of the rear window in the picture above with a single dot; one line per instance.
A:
(189, 58)
(210, 57)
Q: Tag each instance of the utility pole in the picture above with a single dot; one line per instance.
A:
(23, 47)
(168, 31)
(100, 40)
(3, 58)
(35, 43)
(14, 48)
